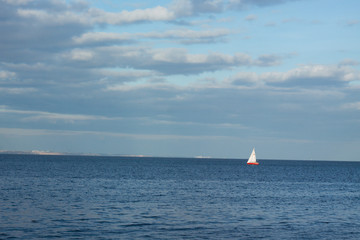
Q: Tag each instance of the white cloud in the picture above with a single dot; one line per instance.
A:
(324, 71)
(150, 14)
(18, 2)
(200, 62)
(353, 105)
(81, 55)
(183, 35)
(165, 60)
(17, 90)
(172, 55)
(201, 124)
(57, 18)
(31, 115)
(303, 75)
(101, 37)
(98, 16)
(79, 13)
(27, 67)
(7, 74)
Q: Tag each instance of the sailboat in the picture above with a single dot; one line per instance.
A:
(252, 158)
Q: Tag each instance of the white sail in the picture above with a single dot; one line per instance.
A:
(252, 158)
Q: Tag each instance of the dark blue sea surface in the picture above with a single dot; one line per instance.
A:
(86, 197)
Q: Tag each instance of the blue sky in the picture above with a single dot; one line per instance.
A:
(182, 78)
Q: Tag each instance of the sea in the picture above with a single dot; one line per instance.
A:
(99, 197)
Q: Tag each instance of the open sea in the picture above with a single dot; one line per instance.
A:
(90, 197)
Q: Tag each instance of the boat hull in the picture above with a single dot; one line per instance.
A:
(255, 163)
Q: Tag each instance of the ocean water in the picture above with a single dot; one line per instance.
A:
(83, 197)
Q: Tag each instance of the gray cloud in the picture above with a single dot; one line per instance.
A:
(268, 60)
(36, 40)
(208, 6)
(167, 61)
(244, 4)
(183, 8)
(352, 23)
(185, 36)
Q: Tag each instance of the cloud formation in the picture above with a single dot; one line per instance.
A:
(182, 70)
(304, 76)
(185, 36)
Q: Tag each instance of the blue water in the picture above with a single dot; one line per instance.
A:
(82, 197)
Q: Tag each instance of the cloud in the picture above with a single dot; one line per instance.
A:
(184, 8)
(50, 116)
(103, 38)
(349, 62)
(50, 18)
(81, 55)
(251, 18)
(17, 2)
(244, 4)
(352, 23)
(158, 13)
(44, 132)
(179, 61)
(185, 36)
(167, 61)
(268, 60)
(310, 80)
(83, 15)
(6, 75)
(188, 36)
(303, 76)
(201, 124)
(35, 31)
(127, 74)
(208, 6)
(79, 13)
(131, 74)
(352, 105)
(45, 75)
(17, 90)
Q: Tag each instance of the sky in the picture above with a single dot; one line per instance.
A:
(182, 78)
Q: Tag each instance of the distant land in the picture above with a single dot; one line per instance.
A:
(35, 152)
(38, 152)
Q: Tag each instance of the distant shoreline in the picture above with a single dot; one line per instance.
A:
(37, 152)
(49, 153)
